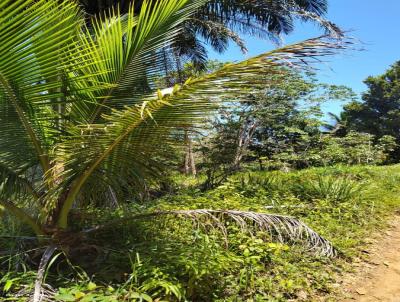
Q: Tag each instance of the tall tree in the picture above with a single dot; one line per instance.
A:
(379, 111)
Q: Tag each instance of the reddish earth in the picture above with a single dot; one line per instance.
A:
(378, 277)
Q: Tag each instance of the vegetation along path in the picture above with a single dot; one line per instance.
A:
(378, 279)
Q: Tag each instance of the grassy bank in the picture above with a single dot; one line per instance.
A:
(171, 259)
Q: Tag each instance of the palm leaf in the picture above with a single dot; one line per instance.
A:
(15, 184)
(283, 229)
(125, 51)
(34, 35)
(22, 215)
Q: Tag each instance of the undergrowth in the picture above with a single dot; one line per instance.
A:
(166, 259)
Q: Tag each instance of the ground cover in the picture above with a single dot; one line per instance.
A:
(171, 259)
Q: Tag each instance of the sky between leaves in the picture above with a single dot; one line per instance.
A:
(375, 23)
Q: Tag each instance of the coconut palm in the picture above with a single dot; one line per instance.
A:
(219, 22)
(80, 116)
(339, 126)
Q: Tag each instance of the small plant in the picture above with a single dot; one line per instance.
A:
(334, 189)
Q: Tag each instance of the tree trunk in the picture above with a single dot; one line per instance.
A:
(245, 134)
(190, 165)
(191, 158)
(239, 150)
(261, 164)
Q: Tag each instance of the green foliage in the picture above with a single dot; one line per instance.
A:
(277, 126)
(170, 260)
(320, 149)
(379, 111)
(356, 148)
(82, 120)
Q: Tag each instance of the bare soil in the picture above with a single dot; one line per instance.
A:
(377, 277)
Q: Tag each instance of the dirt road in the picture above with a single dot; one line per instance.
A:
(378, 279)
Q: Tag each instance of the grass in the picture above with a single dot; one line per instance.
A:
(173, 260)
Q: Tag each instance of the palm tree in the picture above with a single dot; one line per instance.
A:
(219, 22)
(340, 126)
(77, 120)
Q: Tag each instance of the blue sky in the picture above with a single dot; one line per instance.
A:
(375, 23)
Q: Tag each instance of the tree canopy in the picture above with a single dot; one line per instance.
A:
(379, 111)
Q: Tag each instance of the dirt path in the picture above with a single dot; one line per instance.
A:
(378, 278)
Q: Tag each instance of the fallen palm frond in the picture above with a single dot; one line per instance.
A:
(47, 293)
(284, 229)
(39, 293)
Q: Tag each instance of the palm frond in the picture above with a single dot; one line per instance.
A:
(126, 53)
(265, 19)
(251, 16)
(39, 291)
(217, 34)
(283, 229)
(312, 15)
(275, 16)
(15, 184)
(35, 36)
(22, 215)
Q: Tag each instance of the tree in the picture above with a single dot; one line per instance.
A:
(279, 123)
(339, 128)
(219, 22)
(355, 148)
(379, 111)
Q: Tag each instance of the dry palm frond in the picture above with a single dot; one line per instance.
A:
(331, 29)
(283, 229)
(40, 293)
(47, 294)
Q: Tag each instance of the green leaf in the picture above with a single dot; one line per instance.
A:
(90, 298)
(91, 286)
(146, 297)
(65, 297)
(79, 295)
(8, 285)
